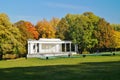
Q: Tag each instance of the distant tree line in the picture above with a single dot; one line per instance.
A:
(88, 31)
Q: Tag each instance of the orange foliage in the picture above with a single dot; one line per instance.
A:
(32, 29)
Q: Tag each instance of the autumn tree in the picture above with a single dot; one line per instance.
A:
(24, 31)
(54, 22)
(10, 37)
(27, 29)
(103, 33)
(31, 28)
(116, 37)
(45, 29)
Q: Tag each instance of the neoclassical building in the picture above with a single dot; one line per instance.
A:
(45, 47)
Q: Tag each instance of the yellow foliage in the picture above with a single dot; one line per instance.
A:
(117, 39)
(45, 29)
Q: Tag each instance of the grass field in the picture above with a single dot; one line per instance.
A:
(88, 68)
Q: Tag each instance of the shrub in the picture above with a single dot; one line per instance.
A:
(85, 52)
(10, 56)
(113, 54)
(84, 56)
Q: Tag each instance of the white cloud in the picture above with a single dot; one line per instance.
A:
(66, 6)
(23, 17)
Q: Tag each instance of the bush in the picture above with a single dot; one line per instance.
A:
(85, 52)
(84, 56)
(113, 54)
(10, 56)
(106, 54)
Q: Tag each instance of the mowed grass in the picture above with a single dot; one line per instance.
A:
(88, 68)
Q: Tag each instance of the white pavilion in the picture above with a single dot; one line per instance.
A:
(45, 47)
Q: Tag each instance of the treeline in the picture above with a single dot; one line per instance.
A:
(88, 31)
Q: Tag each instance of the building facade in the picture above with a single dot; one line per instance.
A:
(48, 47)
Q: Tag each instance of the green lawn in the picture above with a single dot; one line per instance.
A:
(88, 68)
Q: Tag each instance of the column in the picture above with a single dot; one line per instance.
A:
(39, 48)
(45, 48)
(60, 47)
(57, 47)
(65, 47)
(28, 48)
(76, 48)
(31, 48)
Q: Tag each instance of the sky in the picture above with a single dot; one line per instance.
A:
(36, 10)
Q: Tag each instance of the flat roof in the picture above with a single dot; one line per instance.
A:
(48, 40)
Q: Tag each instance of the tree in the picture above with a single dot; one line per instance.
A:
(45, 29)
(54, 22)
(31, 28)
(93, 18)
(79, 29)
(62, 29)
(10, 37)
(27, 30)
(116, 33)
(116, 37)
(24, 31)
(81, 33)
(116, 27)
(103, 33)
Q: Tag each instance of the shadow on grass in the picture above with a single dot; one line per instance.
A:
(82, 71)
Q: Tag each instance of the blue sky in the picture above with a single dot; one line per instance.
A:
(35, 10)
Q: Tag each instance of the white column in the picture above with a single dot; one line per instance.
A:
(76, 48)
(57, 48)
(60, 47)
(45, 49)
(31, 48)
(39, 47)
(65, 47)
(28, 48)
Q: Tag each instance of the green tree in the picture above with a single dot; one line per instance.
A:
(62, 29)
(81, 33)
(79, 29)
(116, 27)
